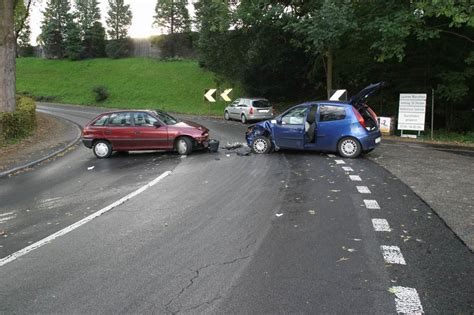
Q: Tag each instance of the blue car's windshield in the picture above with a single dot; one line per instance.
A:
(295, 116)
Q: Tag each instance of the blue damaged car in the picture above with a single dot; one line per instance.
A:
(348, 128)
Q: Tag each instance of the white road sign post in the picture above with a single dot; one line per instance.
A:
(411, 112)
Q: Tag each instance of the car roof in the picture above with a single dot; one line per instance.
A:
(325, 102)
(253, 98)
(130, 111)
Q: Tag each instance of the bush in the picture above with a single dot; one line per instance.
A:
(179, 45)
(20, 123)
(101, 93)
(119, 48)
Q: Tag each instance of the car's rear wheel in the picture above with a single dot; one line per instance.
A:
(261, 145)
(349, 147)
(184, 146)
(102, 149)
(243, 119)
(226, 115)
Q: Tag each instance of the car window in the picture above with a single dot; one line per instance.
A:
(144, 120)
(101, 121)
(261, 103)
(235, 103)
(330, 112)
(120, 120)
(242, 103)
(295, 116)
(166, 118)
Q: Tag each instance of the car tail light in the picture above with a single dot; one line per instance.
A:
(359, 117)
(373, 114)
(251, 111)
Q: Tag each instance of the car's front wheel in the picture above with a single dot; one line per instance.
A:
(226, 115)
(349, 147)
(102, 149)
(243, 119)
(261, 145)
(184, 146)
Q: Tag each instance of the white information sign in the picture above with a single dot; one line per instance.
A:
(411, 112)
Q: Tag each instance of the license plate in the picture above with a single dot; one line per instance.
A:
(263, 110)
(377, 140)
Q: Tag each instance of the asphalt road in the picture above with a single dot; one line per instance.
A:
(288, 232)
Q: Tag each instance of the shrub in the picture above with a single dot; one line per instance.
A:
(118, 48)
(101, 93)
(20, 123)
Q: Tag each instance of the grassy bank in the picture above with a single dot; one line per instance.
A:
(175, 86)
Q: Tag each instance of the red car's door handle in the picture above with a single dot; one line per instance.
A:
(137, 132)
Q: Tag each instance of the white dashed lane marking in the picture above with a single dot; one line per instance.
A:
(347, 169)
(371, 204)
(339, 162)
(407, 300)
(363, 189)
(355, 178)
(381, 225)
(392, 255)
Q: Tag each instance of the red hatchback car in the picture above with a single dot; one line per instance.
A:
(133, 130)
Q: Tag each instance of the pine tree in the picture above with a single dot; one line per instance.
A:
(54, 28)
(172, 15)
(118, 21)
(92, 33)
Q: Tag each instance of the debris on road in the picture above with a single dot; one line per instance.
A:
(342, 259)
(90, 168)
(233, 146)
(312, 212)
(279, 215)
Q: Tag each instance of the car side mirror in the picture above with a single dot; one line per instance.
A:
(157, 124)
(278, 120)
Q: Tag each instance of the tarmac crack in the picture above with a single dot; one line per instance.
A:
(192, 281)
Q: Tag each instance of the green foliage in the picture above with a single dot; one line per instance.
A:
(118, 48)
(118, 20)
(94, 41)
(54, 28)
(101, 93)
(22, 25)
(21, 122)
(73, 42)
(172, 15)
(176, 86)
(179, 45)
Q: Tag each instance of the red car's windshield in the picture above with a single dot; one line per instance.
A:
(166, 118)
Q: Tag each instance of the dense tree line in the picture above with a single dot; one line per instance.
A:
(296, 50)
(77, 33)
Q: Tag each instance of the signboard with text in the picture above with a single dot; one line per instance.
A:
(411, 112)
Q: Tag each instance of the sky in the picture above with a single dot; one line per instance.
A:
(142, 10)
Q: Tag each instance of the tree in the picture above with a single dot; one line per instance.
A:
(22, 24)
(54, 28)
(119, 19)
(92, 33)
(7, 57)
(172, 15)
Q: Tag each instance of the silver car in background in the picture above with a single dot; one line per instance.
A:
(245, 109)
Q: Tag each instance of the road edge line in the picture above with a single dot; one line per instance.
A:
(81, 222)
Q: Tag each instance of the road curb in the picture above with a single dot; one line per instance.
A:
(53, 154)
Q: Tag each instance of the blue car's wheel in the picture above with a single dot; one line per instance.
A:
(261, 145)
(349, 147)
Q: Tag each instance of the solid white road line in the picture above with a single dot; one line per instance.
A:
(355, 178)
(363, 189)
(371, 204)
(74, 226)
(347, 169)
(392, 255)
(381, 225)
(339, 162)
(407, 300)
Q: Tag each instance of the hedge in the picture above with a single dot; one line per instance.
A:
(20, 123)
